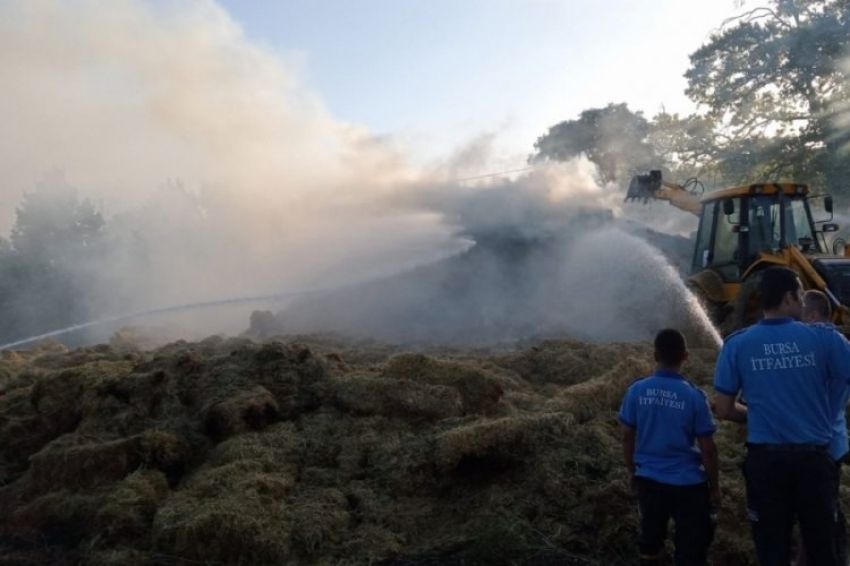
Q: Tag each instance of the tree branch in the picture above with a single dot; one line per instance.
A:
(753, 15)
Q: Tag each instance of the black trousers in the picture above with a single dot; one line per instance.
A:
(841, 519)
(782, 485)
(689, 507)
(841, 536)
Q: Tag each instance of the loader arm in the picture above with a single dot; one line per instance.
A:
(652, 187)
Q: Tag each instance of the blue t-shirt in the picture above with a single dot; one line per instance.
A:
(669, 414)
(838, 444)
(839, 394)
(789, 374)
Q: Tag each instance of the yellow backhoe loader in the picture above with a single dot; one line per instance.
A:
(743, 230)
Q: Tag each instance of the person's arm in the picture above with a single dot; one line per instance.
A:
(729, 409)
(629, 450)
(838, 358)
(708, 449)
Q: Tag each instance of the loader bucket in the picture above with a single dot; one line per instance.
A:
(643, 187)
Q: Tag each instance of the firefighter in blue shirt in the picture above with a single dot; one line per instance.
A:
(817, 310)
(664, 418)
(787, 371)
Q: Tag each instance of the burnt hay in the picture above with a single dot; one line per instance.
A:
(315, 450)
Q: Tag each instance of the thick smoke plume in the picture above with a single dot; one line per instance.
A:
(221, 175)
(551, 257)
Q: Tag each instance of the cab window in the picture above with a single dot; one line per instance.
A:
(717, 241)
(725, 260)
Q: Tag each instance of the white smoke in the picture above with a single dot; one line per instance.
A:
(221, 175)
(196, 143)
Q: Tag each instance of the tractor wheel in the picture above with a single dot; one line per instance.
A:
(748, 302)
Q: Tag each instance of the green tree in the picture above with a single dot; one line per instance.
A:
(772, 82)
(685, 145)
(49, 265)
(614, 138)
(52, 223)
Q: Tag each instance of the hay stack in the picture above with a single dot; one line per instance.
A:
(227, 451)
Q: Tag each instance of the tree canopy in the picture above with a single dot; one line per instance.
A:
(47, 264)
(772, 83)
(613, 137)
(773, 103)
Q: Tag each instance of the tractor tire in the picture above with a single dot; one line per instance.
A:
(747, 305)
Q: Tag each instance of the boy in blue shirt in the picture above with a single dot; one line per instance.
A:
(788, 372)
(663, 418)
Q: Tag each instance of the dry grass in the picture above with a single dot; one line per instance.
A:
(315, 450)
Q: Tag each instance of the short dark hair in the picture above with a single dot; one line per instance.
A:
(819, 302)
(670, 346)
(775, 282)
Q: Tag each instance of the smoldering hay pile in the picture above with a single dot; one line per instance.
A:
(605, 285)
(311, 450)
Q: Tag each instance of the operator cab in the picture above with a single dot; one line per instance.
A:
(739, 224)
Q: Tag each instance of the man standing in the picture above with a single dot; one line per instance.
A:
(786, 371)
(817, 310)
(663, 418)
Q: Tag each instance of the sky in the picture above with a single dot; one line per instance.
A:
(430, 75)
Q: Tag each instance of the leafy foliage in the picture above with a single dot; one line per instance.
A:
(772, 83)
(614, 138)
(47, 266)
(774, 94)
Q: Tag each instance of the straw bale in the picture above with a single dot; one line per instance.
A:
(177, 353)
(38, 408)
(247, 478)
(565, 362)
(523, 401)
(74, 461)
(84, 356)
(59, 517)
(131, 402)
(251, 409)
(275, 449)
(133, 339)
(347, 444)
(371, 543)
(507, 440)
(223, 526)
(12, 356)
(403, 463)
(262, 325)
(7, 371)
(49, 346)
(164, 451)
(366, 395)
(294, 376)
(498, 536)
(480, 389)
(366, 354)
(319, 521)
(604, 392)
(128, 511)
(354, 453)
(258, 466)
